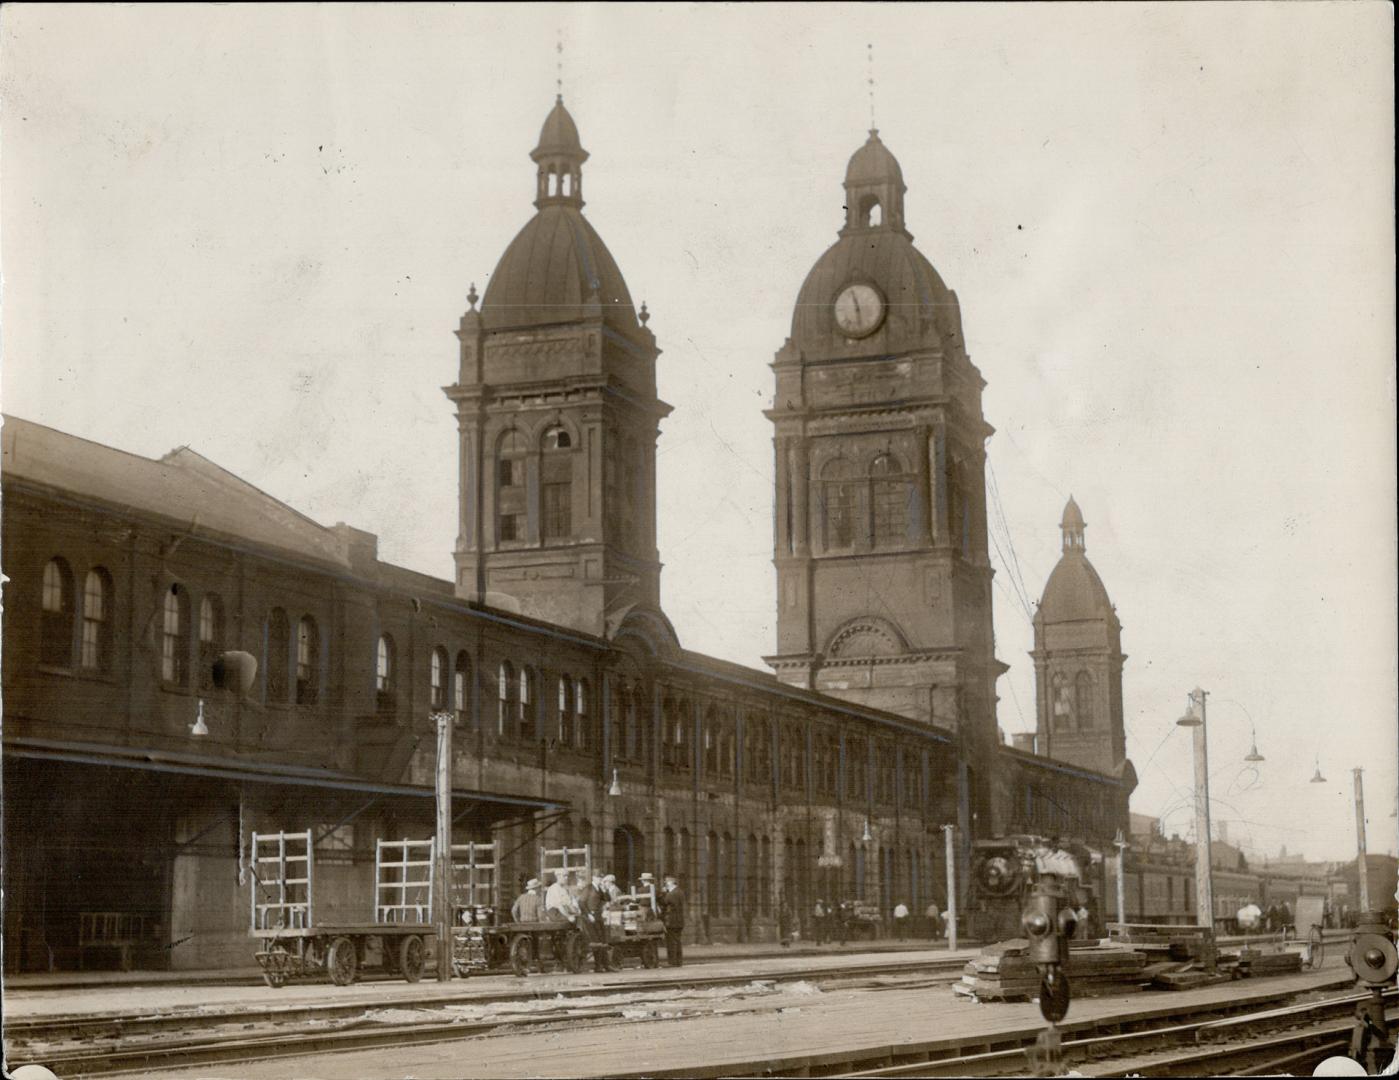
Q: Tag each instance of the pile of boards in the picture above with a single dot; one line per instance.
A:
(1005, 972)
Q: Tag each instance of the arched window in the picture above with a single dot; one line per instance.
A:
(506, 690)
(712, 872)
(528, 704)
(565, 711)
(308, 661)
(752, 888)
(838, 501)
(437, 679)
(685, 871)
(461, 682)
(711, 742)
(556, 490)
(726, 874)
(889, 497)
(96, 650)
(174, 638)
(582, 726)
(870, 216)
(1083, 699)
(386, 672)
(210, 637)
(56, 623)
(510, 481)
(765, 874)
(1061, 705)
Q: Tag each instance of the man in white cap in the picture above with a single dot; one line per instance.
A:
(529, 905)
(609, 886)
(559, 903)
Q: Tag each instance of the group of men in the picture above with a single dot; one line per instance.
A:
(575, 897)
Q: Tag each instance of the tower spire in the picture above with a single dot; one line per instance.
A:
(558, 66)
(869, 80)
(1073, 525)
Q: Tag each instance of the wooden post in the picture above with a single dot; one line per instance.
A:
(442, 855)
(948, 831)
(1362, 870)
(1204, 880)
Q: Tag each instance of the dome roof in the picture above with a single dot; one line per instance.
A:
(554, 271)
(873, 164)
(1075, 592)
(559, 135)
(887, 258)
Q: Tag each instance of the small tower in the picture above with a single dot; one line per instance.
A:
(558, 418)
(1078, 661)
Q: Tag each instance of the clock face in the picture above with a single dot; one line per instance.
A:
(859, 309)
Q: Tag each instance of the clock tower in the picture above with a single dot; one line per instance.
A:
(883, 579)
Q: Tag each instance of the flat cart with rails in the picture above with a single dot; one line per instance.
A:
(294, 944)
(484, 937)
(634, 925)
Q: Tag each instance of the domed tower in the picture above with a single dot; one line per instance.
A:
(558, 417)
(884, 585)
(1078, 661)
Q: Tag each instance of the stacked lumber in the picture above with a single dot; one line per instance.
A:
(1253, 962)
(1005, 972)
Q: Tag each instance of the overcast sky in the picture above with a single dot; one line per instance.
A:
(252, 230)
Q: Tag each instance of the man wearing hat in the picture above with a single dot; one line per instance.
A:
(673, 915)
(609, 886)
(648, 888)
(529, 905)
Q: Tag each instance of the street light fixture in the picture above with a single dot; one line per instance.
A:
(1317, 778)
(867, 837)
(616, 788)
(200, 727)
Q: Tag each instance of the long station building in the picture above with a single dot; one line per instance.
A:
(132, 784)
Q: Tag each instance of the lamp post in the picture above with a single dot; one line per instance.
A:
(442, 858)
(1121, 845)
(948, 832)
(1194, 718)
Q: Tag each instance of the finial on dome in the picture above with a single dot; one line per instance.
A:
(471, 296)
(869, 78)
(1073, 525)
(643, 314)
(558, 67)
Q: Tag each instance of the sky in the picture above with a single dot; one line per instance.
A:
(252, 229)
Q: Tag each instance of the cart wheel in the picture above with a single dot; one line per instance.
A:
(575, 951)
(410, 957)
(521, 955)
(650, 955)
(1316, 947)
(342, 962)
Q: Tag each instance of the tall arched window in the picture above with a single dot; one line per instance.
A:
(386, 673)
(511, 454)
(583, 724)
(752, 899)
(1083, 699)
(56, 623)
(710, 738)
(308, 661)
(839, 496)
(712, 872)
(765, 875)
(278, 657)
(528, 704)
(565, 711)
(556, 485)
(210, 637)
(506, 691)
(174, 638)
(96, 650)
(685, 871)
(726, 874)
(1061, 704)
(437, 679)
(461, 676)
(889, 495)
(680, 732)
(623, 722)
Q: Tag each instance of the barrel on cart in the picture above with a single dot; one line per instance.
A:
(634, 924)
(394, 938)
(486, 939)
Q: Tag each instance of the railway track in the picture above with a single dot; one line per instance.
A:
(1258, 1043)
(92, 1046)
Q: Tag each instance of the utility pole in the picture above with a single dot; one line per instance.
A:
(1362, 869)
(948, 833)
(442, 849)
(1195, 719)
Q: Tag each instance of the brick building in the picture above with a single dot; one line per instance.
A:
(128, 575)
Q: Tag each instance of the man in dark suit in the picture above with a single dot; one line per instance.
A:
(673, 915)
(593, 901)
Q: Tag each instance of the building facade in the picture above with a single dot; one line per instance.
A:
(128, 576)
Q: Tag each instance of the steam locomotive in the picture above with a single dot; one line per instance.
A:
(1004, 869)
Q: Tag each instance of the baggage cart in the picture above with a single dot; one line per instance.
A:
(394, 937)
(635, 928)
